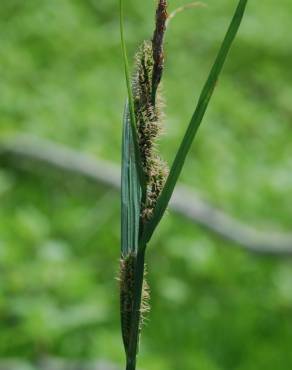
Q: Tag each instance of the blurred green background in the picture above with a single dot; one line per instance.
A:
(214, 307)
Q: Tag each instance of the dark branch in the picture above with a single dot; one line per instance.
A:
(27, 150)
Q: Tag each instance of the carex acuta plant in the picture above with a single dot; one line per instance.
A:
(147, 184)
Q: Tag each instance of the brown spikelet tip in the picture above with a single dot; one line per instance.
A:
(157, 45)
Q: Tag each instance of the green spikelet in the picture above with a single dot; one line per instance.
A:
(149, 118)
(127, 276)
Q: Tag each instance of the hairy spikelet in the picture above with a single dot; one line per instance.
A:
(127, 276)
(149, 118)
(157, 45)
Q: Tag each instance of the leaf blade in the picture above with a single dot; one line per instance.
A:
(195, 122)
(131, 105)
(130, 191)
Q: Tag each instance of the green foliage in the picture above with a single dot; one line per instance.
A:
(59, 237)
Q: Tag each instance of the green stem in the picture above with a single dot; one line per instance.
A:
(131, 365)
(134, 332)
(131, 104)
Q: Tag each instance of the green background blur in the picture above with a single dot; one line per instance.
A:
(214, 307)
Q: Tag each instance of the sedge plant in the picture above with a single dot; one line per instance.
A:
(147, 184)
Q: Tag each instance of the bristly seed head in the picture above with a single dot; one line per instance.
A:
(149, 124)
(157, 45)
(127, 286)
(148, 110)
(149, 116)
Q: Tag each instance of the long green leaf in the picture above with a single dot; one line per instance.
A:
(131, 194)
(131, 104)
(195, 122)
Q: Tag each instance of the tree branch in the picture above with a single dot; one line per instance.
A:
(28, 150)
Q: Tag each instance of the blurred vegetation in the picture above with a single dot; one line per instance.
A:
(213, 307)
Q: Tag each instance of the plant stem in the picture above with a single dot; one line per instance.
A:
(131, 365)
(138, 160)
(135, 324)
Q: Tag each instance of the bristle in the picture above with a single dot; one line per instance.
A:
(149, 123)
(127, 270)
(127, 282)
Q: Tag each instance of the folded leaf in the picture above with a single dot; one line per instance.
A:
(131, 193)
